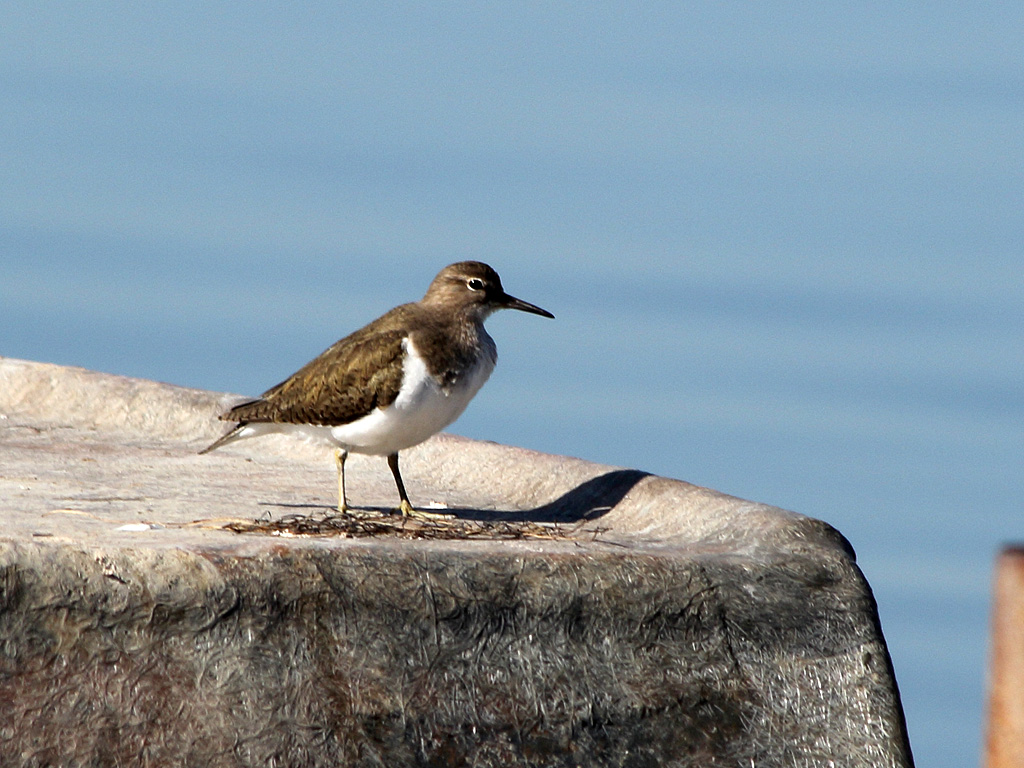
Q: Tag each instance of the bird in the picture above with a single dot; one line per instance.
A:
(393, 383)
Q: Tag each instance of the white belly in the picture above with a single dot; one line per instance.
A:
(421, 409)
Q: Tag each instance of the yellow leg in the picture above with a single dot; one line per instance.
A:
(339, 458)
(405, 507)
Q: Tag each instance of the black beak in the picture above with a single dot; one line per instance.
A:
(511, 302)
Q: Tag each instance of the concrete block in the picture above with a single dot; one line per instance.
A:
(661, 624)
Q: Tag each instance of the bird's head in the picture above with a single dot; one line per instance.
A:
(475, 287)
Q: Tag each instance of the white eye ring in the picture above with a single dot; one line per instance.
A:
(475, 284)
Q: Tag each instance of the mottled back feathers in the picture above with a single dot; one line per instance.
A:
(363, 371)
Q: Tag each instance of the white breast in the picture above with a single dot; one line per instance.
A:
(421, 409)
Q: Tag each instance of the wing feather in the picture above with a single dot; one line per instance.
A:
(361, 372)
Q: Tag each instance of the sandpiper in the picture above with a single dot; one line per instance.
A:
(395, 382)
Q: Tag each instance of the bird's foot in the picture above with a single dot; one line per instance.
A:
(417, 514)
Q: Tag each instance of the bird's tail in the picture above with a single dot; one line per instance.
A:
(234, 434)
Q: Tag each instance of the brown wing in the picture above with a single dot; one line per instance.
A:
(361, 372)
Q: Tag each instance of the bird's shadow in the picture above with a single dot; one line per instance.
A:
(588, 501)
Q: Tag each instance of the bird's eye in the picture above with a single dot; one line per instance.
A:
(475, 284)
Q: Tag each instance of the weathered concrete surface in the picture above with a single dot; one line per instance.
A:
(695, 629)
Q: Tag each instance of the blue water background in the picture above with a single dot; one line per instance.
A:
(783, 243)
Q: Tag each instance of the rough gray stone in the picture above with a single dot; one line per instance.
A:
(676, 626)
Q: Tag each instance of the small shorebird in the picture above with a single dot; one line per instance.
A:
(395, 382)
